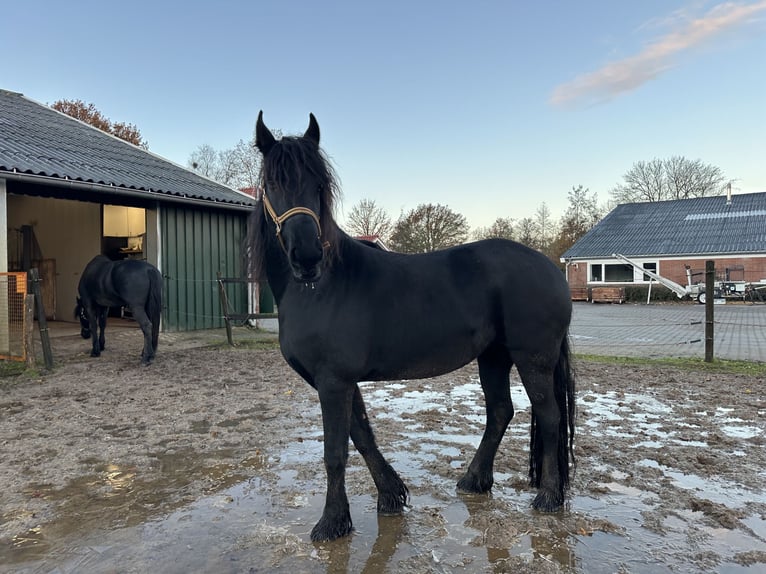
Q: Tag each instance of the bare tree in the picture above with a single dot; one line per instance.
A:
(204, 160)
(502, 227)
(428, 227)
(544, 225)
(237, 167)
(583, 212)
(526, 232)
(89, 114)
(367, 218)
(673, 178)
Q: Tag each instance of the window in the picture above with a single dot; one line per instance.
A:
(651, 267)
(618, 273)
(596, 272)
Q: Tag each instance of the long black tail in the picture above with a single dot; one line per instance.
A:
(564, 391)
(154, 305)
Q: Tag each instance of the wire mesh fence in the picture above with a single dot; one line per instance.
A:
(672, 330)
(13, 289)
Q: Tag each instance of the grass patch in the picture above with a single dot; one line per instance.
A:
(750, 368)
(14, 372)
(12, 369)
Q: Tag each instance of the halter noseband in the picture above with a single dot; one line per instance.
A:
(280, 219)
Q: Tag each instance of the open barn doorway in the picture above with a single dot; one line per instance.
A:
(124, 232)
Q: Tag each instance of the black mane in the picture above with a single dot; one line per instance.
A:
(277, 171)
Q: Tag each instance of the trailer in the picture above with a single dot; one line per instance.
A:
(723, 291)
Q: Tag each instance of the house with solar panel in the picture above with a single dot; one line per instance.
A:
(671, 239)
(69, 191)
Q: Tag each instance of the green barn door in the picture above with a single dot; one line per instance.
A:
(196, 246)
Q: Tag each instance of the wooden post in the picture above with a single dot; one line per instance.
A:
(29, 329)
(709, 306)
(42, 322)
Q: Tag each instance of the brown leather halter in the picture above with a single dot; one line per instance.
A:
(280, 219)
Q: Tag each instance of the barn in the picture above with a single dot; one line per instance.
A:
(69, 191)
(673, 239)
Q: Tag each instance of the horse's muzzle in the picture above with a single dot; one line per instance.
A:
(305, 259)
(85, 333)
(306, 273)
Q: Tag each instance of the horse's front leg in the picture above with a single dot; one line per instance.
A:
(392, 492)
(335, 398)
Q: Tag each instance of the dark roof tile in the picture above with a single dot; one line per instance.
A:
(38, 140)
(698, 226)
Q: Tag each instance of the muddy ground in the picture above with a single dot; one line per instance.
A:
(209, 460)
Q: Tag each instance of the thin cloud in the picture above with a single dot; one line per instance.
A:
(625, 75)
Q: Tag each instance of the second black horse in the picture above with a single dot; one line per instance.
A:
(128, 283)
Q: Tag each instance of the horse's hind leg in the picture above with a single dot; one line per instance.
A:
(96, 323)
(102, 313)
(139, 314)
(545, 474)
(392, 493)
(494, 369)
(336, 400)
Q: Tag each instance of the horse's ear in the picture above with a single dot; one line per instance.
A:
(264, 139)
(312, 132)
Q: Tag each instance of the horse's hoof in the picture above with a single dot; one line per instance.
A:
(547, 501)
(95, 354)
(475, 484)
(393, 502)
(326, 530)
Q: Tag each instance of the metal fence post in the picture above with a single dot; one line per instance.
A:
(709, 306)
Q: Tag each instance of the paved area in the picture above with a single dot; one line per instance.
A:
(669, 330)
(629, 330)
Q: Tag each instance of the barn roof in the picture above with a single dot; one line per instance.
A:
(683, 227)
(41, 145)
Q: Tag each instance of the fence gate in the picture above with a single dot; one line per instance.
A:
(13, 291)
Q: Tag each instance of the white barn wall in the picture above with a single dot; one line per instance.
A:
(67, 231)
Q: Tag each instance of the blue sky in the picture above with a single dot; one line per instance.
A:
(491, 108)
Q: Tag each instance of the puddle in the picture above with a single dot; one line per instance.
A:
(258, 513)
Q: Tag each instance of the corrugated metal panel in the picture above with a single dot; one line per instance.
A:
(698, 226)
(40, 141)
(196, 246)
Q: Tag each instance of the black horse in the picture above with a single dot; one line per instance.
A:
(135, 284)
(348, 313)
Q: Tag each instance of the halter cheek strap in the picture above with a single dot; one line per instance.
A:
(280, 219)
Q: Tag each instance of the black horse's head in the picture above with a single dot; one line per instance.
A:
(79, 313)
(298, 190)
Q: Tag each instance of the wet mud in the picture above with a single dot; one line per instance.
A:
(210, 460)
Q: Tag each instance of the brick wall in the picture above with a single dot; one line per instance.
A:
(577, 274)
(754, 269)
(675, 270)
